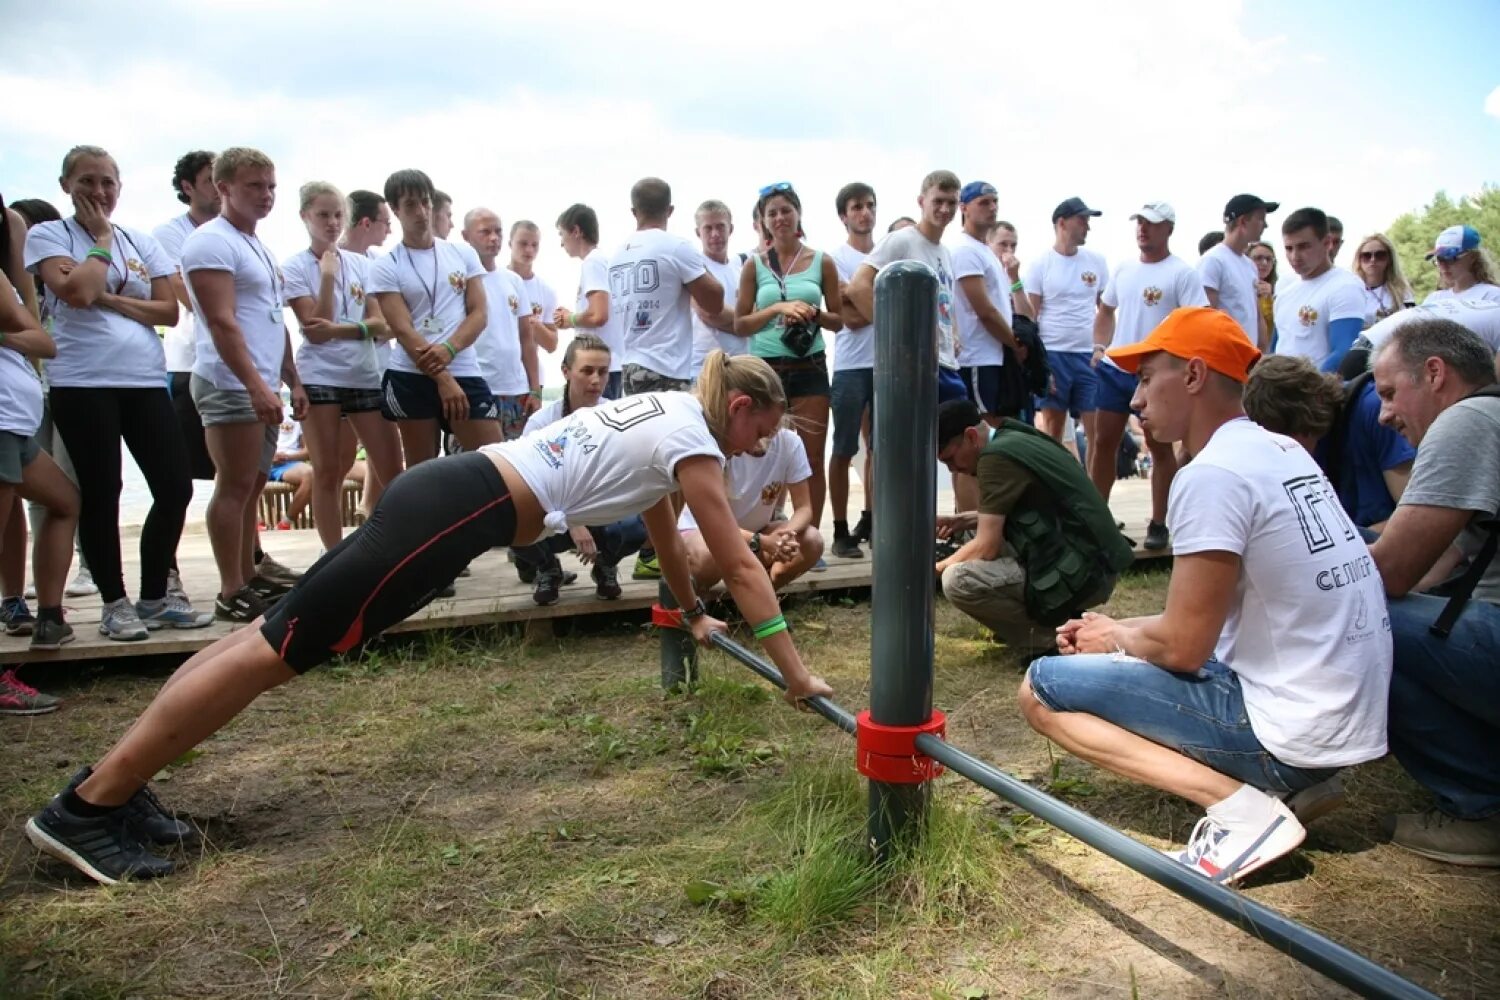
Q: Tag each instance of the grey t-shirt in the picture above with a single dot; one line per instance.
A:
(910, 244)
(1458, 466)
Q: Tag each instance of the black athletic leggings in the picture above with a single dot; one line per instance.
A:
(92, 423)
(431, 522)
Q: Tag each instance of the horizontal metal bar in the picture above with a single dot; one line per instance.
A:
(829, 710)
(1333, 960)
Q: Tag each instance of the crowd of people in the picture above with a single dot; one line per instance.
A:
(1324, 456)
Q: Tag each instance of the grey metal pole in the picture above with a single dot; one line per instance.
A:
(679, 654)
(905, 505)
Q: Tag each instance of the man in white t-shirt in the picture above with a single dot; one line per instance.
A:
(1275, 615)
(653, 279)
(193, 178)
(852, 394)
(1228, 274)
(368, 225)
(713, 224)
(758, 482)
(525, 244)
(507, 348)
(243, 354)
(1064, 285)
(436, 310)
(442, 214)
(1321, 310)
(1141, 293)
(938, 199)
(578, 229)
(982, 307)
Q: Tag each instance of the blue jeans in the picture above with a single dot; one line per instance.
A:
(615, 542)
(1200, 715)
(1444, 722)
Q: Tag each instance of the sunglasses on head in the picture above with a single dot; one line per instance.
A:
(777, 188)
(1374, 255)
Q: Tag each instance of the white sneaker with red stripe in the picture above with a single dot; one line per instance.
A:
(1227, 852)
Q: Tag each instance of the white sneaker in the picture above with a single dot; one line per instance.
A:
(1317, 800)
(83, 585)
(30, 592)
(119, 621)
(1227, 854)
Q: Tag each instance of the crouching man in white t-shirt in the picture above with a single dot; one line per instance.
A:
(1270, 666)
(758, 480)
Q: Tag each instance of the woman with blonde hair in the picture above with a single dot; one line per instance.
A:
(1386, 288)
(1465, 268)
(594, 467)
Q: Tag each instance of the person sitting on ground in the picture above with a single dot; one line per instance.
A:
(1437, 386)
(585, 366)
(1367, 463)
(758, 481)
(1274, 615)
(290, 466)
(1045, 545)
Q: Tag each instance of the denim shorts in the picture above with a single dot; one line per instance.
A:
(801, 377)
(1199, 715)
(1116, 388)
(1076, 380)
(16, 452)
(853, 394)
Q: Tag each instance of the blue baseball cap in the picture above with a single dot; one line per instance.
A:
(1454, 241)
(976, 189)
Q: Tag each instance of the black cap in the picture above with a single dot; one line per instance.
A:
(1244, 204)
(1073, 206)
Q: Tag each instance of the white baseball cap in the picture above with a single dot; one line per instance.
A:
(1156, 211)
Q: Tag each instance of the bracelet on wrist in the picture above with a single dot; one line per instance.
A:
(698, 610)
(534, 393)
(100, 253)
(770, 627)
(1016, 286)
(452, 351)
(364, 331)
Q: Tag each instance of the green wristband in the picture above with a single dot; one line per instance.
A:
(537, 393)
(766, 629)
(573, 321)
(452, 353)
(1018, 286)
(102, 254)
(364, 331)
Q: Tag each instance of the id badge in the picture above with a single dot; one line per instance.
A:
(430, 325)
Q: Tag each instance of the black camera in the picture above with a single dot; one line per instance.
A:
(798, 336)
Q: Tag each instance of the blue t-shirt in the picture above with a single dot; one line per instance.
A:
(1370, 450)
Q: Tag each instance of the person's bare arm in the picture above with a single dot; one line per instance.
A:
(531, 363)
(1183, 636)
(214, 291)
(1213, 297)
(19, 329)
(403, 330)
(1415, 539)
(15, 268)
(159, 310)
(77, 284)
(1396, 479)
(831, 317)
(859, 297)
(543, 334)
(594, 315)
(988, 314)
(988, 542)
(476, 316)
(707, 292)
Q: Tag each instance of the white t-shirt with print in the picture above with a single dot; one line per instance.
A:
(98, 348)
(707, 338)
(1069, 287)
(20, 393)
(607, 462)
(852, 348)
(544, 416)
(433, 282)
(976, 345)
(339, 363)
(758, 483)
(1143, 294)
(648, 279)
(542, 297)
(179, 342)
(594, 277)
(289, 434)
(1305, 307)
(1477, 315)
(910, 244)
(499, 346)
(259, 301)
(1308, 633)
(1481, 292)
(1234, 277)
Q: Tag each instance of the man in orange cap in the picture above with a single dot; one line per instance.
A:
(1269, 668)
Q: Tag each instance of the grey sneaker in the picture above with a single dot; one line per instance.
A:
(275, 572)
(49, 635)
(19, 698)
(83, 584)
(1317, 800)
(1434, 834)
(172, 611)
(174, 584)
(119, 621)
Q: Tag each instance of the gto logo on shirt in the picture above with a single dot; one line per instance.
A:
(1308, 315)
(1090, 278)
(1151, 296)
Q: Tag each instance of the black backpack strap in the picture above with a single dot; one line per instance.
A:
(1463, 587)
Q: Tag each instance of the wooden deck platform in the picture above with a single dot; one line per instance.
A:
(491, 595)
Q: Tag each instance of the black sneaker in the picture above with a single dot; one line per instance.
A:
(847, 547)
(104, 848)
(244, 605)
(863, 529)
(16, 616)
(606, 581)
(49, 635)
(526, 572)
(449, 591)
(148, 818)
(548, 585)
(1156, 536)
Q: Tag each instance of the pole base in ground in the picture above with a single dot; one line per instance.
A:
(897, 818)
(679, 653)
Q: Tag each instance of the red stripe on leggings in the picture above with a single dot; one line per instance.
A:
(356, 631)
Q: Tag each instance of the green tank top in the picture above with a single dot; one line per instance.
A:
(805, 285)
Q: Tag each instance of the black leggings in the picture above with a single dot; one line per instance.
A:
(92, 423)
(431, 522)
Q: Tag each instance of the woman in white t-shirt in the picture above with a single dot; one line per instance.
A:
(1465, 268)
(1386, 288)
(338, 360)
(108, 288)
(594, 467)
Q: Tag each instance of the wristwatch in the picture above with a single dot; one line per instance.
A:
(698, 610)
(755, 542)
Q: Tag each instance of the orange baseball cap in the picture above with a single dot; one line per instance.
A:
(1195, 332)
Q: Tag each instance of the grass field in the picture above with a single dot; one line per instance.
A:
(465, 815)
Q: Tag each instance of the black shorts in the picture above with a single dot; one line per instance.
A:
(432, 521)
(802, 376)
(347, 400)
(200, 465)
(413, 396)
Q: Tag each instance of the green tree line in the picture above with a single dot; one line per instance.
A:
(1414, 232)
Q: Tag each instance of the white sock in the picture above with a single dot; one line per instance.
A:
(1246, 807)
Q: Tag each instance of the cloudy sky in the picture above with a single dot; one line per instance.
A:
(1364, 109)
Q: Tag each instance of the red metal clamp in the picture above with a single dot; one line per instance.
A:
(889, 753)
(666, 617)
